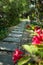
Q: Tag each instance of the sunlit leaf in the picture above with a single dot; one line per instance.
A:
(11, 1)
(23, 60)
(30, 48)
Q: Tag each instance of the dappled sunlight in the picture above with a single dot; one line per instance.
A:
(1, 63)
(3, 48)
(11, 1)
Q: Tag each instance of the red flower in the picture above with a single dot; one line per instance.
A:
(17, 54)
(42, 31)
(36, 40)
(41, 36)
(39, 31)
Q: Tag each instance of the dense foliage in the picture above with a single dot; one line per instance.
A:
(12, 10)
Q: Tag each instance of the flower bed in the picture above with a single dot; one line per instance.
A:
(32, 53)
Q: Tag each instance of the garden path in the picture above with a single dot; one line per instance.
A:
(16, 37)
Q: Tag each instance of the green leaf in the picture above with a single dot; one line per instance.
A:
(41, 54)
(30, 48)
(23, 60)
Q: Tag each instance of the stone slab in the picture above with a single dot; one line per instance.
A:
(8, 46)
(15, 35)
(12, 39)
(6, 58)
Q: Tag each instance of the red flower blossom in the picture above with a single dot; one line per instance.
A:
(36, 40)
(42, 31)
(41, 36)
(39, 31)
(17, 54)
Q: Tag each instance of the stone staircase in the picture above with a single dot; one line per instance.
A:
(14, 39)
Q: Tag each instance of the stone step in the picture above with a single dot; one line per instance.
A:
(11, 43)
(12, 39)
(20, 25)
(21, 29)
(17, 32)
(15, 35)
(17, 27)
(8, 46)
(6, 58)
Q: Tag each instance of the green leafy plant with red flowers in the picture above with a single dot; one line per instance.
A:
(33, 54)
